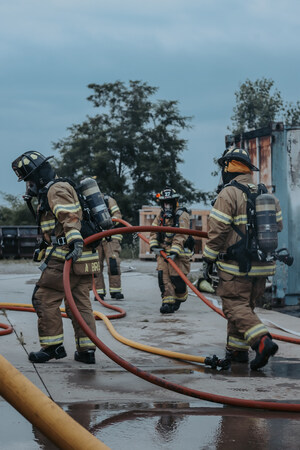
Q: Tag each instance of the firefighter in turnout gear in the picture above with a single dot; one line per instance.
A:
(173, 289)
(59, 216)
(109, 250)
(241, 283)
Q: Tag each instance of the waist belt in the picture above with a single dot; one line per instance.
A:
(222, 257)
(58, 241)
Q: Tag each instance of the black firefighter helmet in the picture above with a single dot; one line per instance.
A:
(236, 154)
(27, 164)
(168, 200)
(167, 195)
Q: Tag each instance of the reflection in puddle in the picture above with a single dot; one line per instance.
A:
(170, 425)
(178, 426)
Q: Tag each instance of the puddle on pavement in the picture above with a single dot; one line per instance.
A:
(156, 426)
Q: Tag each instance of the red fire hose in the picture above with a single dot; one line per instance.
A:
(291, 407)
(7, 329)
(191, 286)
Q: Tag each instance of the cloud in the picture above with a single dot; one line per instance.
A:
(196, 51)
(194, 26)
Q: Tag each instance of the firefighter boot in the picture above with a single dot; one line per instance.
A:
(117, 295)
(264, 348)
(102, 296)
(43, 355)
(87, 357)
(167, 308)
(237, 355)
(176, 305)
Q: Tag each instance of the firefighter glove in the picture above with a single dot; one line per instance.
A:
(172, 256)
(76, 251)
(207, 269)
(156, 250)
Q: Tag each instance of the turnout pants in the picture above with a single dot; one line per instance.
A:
(109, 251)
(171, 285)
(47, 298)
(239, 295)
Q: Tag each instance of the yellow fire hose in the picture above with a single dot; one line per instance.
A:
(42, 412)
(130, 343)
(147, 348)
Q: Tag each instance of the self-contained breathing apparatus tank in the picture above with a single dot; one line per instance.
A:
(266, 224)
(95, 201)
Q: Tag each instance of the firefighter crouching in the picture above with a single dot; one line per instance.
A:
(59, 216)
(242, 279)
(109, 250)
(173, 288)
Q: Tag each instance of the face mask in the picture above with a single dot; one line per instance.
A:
(228, 176)
(168, 210)
(31, 190)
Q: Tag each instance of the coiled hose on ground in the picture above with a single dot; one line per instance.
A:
(142, 374)
(291, 407)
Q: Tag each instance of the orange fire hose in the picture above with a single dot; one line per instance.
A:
(192, 287)
(276, 406)
(145, 375)
(7, 329)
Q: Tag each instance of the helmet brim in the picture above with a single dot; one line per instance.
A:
(26, 177)
(222, 160)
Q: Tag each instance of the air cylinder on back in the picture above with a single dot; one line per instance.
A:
(266, 223)
(90, 189)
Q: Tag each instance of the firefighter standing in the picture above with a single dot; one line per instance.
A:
(238, 289)
(109, 250)
(173, 288)
(59, 216)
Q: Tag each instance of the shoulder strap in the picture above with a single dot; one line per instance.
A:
(44, 205)
(178, 213)
(240, 186)
(247, 191)
(106, 199)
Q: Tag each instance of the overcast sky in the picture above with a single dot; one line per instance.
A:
(194, 51)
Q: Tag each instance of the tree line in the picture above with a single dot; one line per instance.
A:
(133, 144)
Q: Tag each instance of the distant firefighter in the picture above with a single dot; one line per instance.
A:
(178, 247)
(109, 251)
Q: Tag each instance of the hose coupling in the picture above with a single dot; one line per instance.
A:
(215, 362)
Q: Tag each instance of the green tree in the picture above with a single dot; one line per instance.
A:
(292, 113)
(132, 145)
(15, 214)
(258, 103)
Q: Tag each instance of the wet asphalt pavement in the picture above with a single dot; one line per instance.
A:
(126, 412)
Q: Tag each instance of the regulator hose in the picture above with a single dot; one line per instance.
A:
(291, 407)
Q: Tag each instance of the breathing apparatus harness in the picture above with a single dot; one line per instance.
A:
(189, 243)
(260, 241)
(95, 216)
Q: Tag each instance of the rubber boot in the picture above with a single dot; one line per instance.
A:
(87, 357)
(102, 296)
(237, 355)
(264, 348)
(117, 295)
(45, 354)
(167, 308)
(177, 305)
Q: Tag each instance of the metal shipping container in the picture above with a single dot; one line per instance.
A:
(275, 150)
(18, 241)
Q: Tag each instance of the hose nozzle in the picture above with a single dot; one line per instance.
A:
(215, 362)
